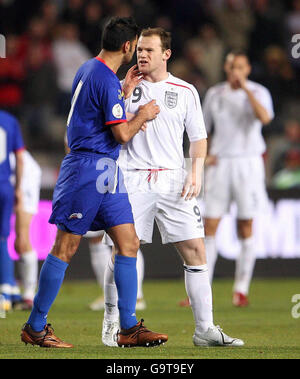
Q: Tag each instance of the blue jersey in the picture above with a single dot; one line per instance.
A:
(10, 141)
(97, 103)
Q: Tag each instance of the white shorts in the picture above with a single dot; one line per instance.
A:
(31, 184)
(91, 234)
(239, 180)
(157, 198)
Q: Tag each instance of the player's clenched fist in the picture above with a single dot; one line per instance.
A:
(150, 110)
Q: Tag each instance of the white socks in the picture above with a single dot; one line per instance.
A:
(28, 267)
(244, 266)
(140, 266)
(199, 292)
(211, 256)
(111, 311)
(100, 255)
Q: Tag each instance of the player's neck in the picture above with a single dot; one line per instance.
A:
(156, 76)
(112, 59)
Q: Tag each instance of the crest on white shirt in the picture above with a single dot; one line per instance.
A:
(171, 99)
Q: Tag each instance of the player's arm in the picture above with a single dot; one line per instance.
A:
(197, 153)
(210, 160)
(19, 174)
(195, 127)
(125, 131)
(259, 110)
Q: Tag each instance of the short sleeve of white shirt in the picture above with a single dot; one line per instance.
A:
(262, 94)
(207, 114)
(194, 122)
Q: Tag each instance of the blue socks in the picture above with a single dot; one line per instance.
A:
(7, 278)
(51, 277)
(126, 281)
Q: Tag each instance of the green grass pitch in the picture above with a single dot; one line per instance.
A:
(267, 326)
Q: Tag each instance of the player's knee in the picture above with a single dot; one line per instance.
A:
(65, 249)
(129, 248)
(211, 227)
(20, 247)
(193, 253)
(244, 229)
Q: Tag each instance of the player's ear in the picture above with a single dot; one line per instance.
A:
(126, 47)
(167, 54)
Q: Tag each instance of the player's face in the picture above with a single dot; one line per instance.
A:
(240, 67)
(228, 64)
(150, 56)
(130, 50)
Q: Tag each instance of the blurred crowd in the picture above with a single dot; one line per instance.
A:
(46, 42)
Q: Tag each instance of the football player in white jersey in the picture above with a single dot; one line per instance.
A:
(28, 262)
(234, 113)
(160, 188)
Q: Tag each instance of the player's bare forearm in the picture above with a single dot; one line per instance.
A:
(197, 153)
(260, 112)
(126, 131)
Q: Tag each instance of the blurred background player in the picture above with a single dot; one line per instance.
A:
(100, 254)
(161, 188)
(234, 113)
(28, 262)
(10, 141)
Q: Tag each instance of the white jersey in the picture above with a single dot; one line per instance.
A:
(161, 145)
(30, 167)
(237, 131)
(31, 181)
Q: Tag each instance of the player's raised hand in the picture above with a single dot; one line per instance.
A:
(149, 111)
(132, 79)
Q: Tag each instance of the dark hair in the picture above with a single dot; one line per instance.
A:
(117, 31)
(164, 36)
(239, 53)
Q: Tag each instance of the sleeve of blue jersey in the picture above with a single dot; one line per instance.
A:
(113, 104)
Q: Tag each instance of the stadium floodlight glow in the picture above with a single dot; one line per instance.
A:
(2, 46)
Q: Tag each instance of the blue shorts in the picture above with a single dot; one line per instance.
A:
(6, 207)
(90, 194)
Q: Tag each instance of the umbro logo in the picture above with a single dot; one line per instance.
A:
(75, 216)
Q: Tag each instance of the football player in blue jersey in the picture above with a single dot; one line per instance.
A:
(90, 192)
(10, 141)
